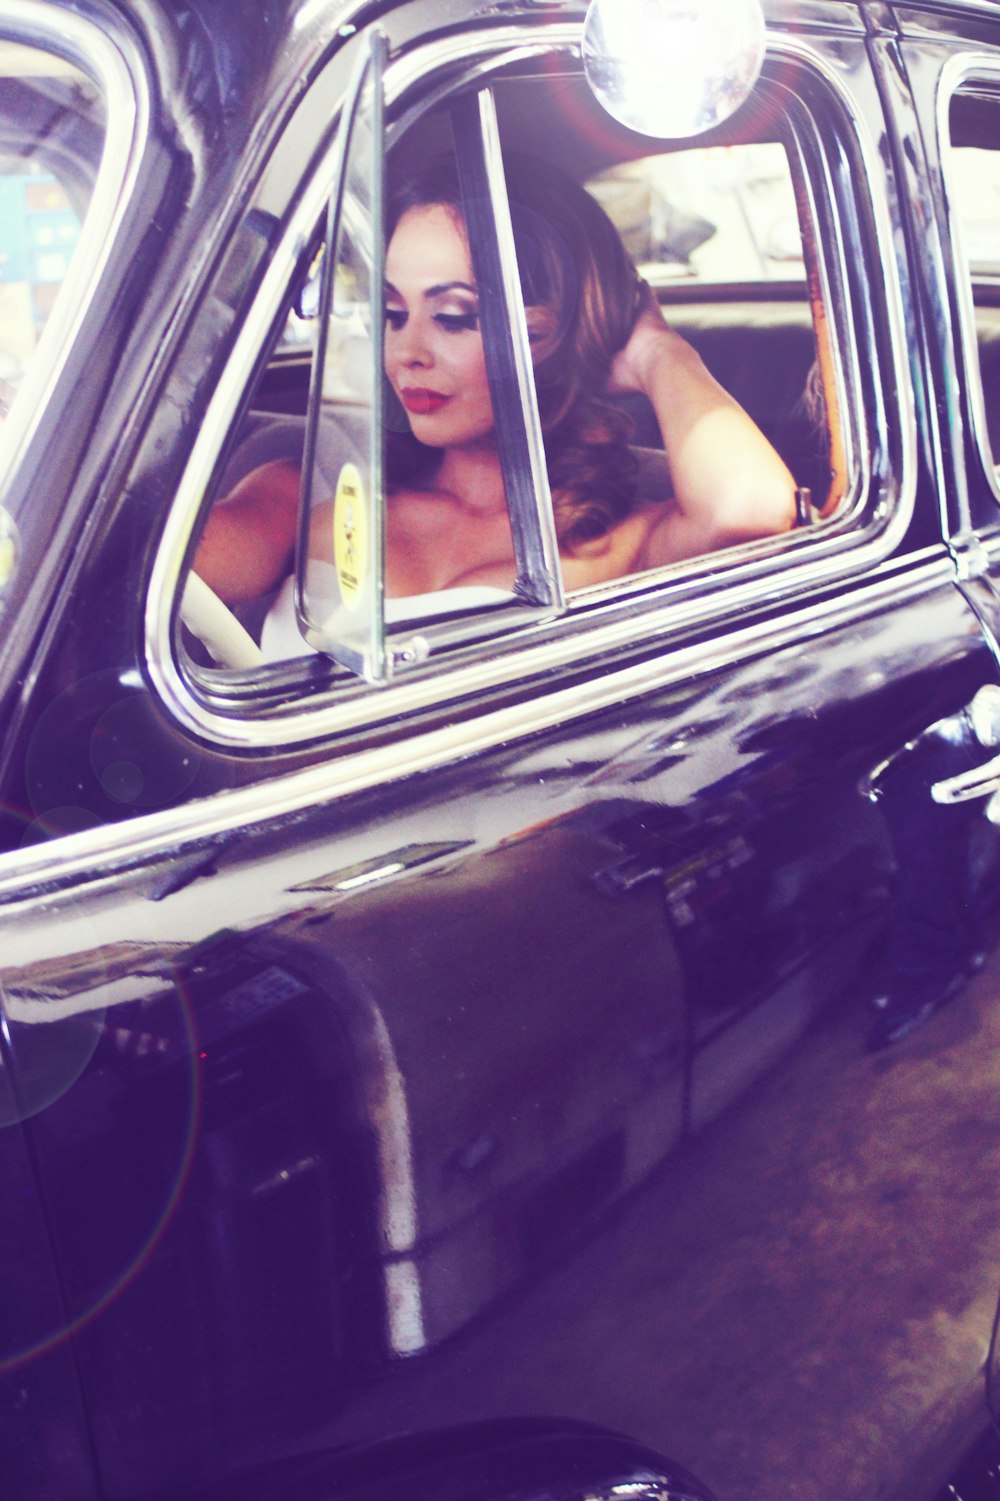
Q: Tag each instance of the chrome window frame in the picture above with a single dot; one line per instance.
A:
(957, 72)
(598, 622)
(77, 40)
(847, 367)
(536, 546)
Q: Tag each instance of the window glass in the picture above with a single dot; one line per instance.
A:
(341, 521)
(975, 193)
(51, 137)
(707, 214)
(972, 165)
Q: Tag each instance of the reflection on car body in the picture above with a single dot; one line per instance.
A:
(541, 1049)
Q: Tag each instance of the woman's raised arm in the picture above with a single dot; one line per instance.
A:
(729, 484)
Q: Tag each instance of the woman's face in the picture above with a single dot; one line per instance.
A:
(433, 348)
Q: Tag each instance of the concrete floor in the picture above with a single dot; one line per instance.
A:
(797, 1305)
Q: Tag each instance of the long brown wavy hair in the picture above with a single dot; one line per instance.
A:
(571, 261)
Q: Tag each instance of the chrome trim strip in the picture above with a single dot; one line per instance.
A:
(542, 571)
(135, 841)
(956, 72)
(404, 1307)
(911, 24)
(835, 555)
(126, 96)
(388, 1113)
(502, 44)
(905, 404)
(848, 382)
(943, 415)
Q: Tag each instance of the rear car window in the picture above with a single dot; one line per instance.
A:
(972, 174)
(52, 131)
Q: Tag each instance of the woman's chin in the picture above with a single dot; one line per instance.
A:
(427, 437)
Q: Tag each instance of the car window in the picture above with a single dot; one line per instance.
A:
(748, 262)
(972, 165)
(762, 351)
(51, 138)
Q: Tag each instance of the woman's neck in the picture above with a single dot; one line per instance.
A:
(474, 477)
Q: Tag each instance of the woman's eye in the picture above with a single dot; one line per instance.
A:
(456, 323)
(395, 318)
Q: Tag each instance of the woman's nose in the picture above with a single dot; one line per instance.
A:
(411, 345)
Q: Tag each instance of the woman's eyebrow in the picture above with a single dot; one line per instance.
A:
(436, 291)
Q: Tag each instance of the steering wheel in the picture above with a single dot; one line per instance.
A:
(227, 642)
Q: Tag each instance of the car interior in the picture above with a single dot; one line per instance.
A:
(713, 226)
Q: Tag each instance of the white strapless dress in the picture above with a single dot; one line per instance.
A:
(281, 641)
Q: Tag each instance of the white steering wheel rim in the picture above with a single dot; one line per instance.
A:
(227, 642)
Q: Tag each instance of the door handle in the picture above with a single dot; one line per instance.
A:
(981, 781)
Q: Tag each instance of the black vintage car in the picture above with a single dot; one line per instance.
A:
(495, 1049)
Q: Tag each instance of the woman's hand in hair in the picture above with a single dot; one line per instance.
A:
(729, 484)
(634, 366)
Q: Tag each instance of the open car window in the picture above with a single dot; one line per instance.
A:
(740, 245)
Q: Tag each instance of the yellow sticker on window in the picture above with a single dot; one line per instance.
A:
(8, 557)
(350, 541)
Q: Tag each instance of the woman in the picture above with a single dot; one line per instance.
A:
(595, 331)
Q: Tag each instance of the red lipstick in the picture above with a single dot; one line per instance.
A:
(417, 399)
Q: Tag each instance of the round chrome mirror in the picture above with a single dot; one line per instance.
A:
(672, 68)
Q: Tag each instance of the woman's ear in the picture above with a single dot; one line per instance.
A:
(542, 331)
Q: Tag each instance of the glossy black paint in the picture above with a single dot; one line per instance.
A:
(562, 1113)
(978, 1477)
(520, 1459)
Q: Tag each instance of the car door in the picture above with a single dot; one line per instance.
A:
(952, 66)
(492, 1043)
(45, 1423)
(52, 128)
